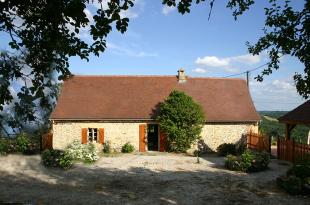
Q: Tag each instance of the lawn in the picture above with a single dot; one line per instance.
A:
(155, 178)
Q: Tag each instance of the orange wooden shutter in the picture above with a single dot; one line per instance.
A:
(101, 135)
(84, 135)
(142, 140)
(162, 141)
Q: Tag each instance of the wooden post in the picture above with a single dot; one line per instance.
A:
(287, 131)
(278, 147)
(250, 140)
(293, 151)
(269, 148)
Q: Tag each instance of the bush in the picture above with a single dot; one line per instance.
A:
(56, 158)
(297, 179)
(249, 161)
(181, 118)
(300, 170)
(233, 162)
(22, 142)
(3, 146)
(65, 160)
(83, 152)
(291, 184)
(226, 149)
(107, 148)
(128, 148)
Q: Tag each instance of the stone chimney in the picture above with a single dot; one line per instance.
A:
(181, 76)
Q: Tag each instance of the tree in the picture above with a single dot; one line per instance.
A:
(181, 118)
(43, 35)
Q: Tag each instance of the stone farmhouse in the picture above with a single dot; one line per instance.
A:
(121, 109)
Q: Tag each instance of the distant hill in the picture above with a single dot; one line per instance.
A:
(270, 125)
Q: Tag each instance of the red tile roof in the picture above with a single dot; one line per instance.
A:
(137, 97)
(300, 115)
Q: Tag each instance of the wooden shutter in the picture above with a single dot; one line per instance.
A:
(162, 141)
(84, 135)
(142, 138)
(101, 135)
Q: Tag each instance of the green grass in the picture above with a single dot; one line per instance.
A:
(270, 126)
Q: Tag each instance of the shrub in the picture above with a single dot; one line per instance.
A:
(11, 145)
(249, 161)
(56, 158)
(226, 149)
(241, 148)
(233, 162)
(291, 184)
(300, 170)
(32, 148)
(297, 179)
(22, 142)
(84, 152)
(107, 147)
(128, 148)
(3, 146)
(65, 161)
(181, 118)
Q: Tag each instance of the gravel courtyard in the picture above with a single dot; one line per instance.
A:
(152, 178)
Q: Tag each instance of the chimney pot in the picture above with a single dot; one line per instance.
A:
(181, 76)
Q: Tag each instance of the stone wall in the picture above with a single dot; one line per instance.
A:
(117, 134)
(215, 134)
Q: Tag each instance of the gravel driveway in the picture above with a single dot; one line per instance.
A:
(153, 178)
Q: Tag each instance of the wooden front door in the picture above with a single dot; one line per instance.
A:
(142, 138)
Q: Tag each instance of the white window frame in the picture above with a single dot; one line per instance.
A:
(91, 133)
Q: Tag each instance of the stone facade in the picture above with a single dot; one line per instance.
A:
(115, 133)
(214, 135)
(119, 133)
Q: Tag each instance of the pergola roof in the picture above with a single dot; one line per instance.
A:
(300, 115)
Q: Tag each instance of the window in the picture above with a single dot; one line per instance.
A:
(92, 134)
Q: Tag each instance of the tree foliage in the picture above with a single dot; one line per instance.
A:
(181, 118)
(43, 35)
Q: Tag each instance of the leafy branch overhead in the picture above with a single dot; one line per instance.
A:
(43, 36)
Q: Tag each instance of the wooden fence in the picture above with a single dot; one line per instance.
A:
(259, 142)
(47, 141)
(292, 151)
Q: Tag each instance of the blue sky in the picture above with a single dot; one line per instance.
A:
(159, 41)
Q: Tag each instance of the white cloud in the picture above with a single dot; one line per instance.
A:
(199, 70)
(129, 51)
(283, 85)
(129, 14)
(246, 59)
(214, 61)
(167, 9)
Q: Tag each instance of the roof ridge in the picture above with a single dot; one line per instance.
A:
(150, 76)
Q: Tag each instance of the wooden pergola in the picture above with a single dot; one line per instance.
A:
(298, 116)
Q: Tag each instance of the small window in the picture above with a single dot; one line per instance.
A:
(92, 134)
